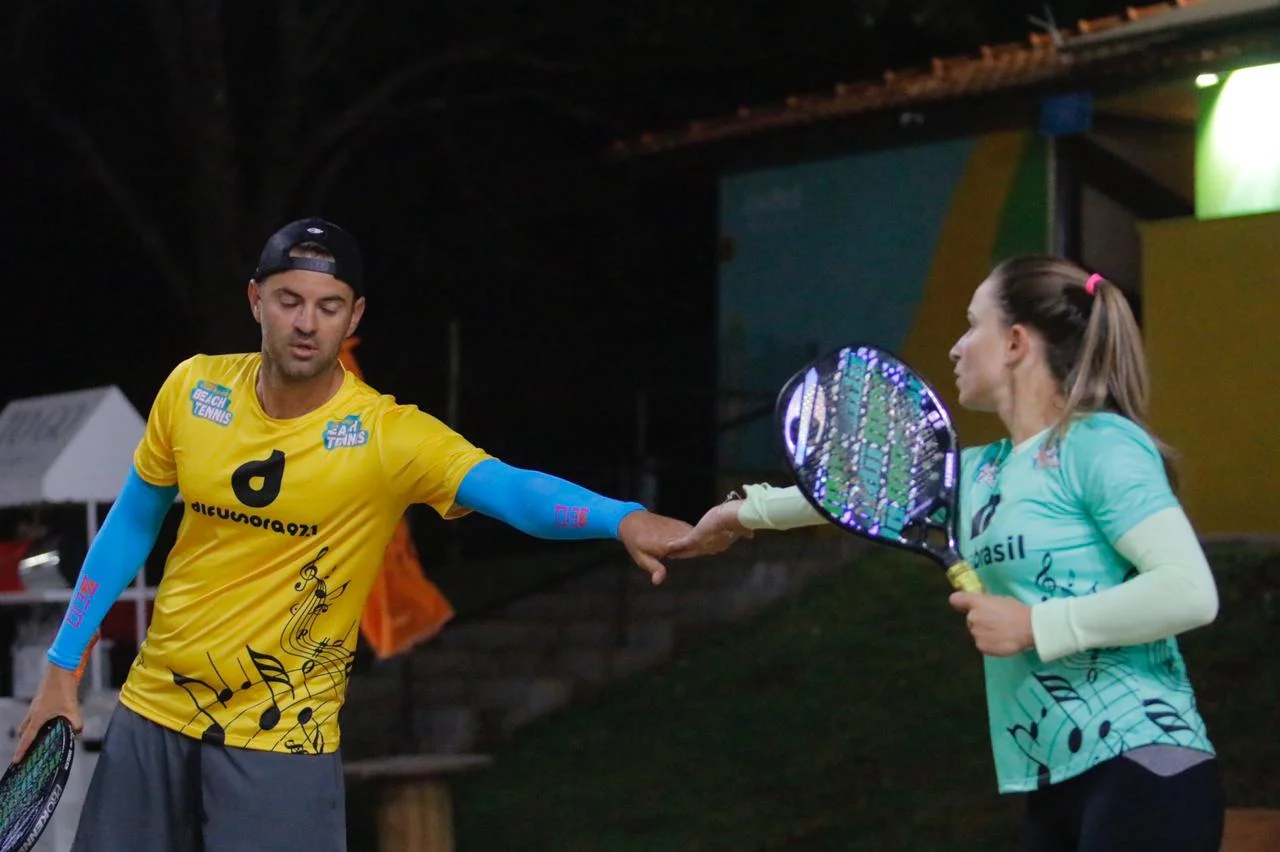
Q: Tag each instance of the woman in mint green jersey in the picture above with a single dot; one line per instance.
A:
(1092, 714)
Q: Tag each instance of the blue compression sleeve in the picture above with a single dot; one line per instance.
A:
(539, 504)
(114, 558)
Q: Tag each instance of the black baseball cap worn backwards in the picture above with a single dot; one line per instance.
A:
(346, 265)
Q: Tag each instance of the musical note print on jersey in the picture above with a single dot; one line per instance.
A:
(1051, 586)
(1095, 710)
(214, 732)
(290, 694)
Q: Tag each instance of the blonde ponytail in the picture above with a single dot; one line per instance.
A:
(1094, 346)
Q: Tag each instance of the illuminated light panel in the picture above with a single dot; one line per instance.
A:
(1238, 149)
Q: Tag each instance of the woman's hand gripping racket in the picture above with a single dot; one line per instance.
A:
(872, 447)
(31, 787)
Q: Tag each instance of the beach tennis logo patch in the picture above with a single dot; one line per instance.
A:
(347, 432)
(211, 402)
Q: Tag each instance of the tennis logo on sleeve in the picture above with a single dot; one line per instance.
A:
(211, 402)
(347, 432)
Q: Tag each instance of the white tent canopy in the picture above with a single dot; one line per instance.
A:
(67, 448)
(72, 447)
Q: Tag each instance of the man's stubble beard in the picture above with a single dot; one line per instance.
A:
(285, 368)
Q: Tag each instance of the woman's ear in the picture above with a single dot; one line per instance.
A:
(1019, 344)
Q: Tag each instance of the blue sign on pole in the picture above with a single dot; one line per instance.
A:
(1068, 114)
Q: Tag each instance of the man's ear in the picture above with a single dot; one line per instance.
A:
(255, 299)
(357, 313)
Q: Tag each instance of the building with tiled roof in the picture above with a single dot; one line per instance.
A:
(1148, 44)
(1145, 146)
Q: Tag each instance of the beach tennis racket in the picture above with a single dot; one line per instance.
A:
(872, 447)
(30, 790)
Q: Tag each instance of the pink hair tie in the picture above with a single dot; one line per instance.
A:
(1091, 286)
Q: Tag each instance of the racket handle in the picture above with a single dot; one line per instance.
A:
(964, 578)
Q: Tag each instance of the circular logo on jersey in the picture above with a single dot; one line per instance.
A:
(257, 483)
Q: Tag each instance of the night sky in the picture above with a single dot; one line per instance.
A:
(480, 192)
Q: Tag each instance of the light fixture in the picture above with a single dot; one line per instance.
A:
(39, 560)
(1238, 145)
(1204, 81)
(41, 570)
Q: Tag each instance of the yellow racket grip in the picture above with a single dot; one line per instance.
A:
(964, 578)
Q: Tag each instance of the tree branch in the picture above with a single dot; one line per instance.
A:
(335, 163)
(167, 29)
(149, 234)
(380, 98)
(329, 29)
(21, 21)
(296, 34)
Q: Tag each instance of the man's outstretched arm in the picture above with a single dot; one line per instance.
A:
(547, 506)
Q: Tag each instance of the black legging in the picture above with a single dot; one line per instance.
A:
(1121, 806)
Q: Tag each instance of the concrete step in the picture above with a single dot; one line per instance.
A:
(630, 661)
(447, 728)
(515, 691)
(499, 633)
(562, 605)
(430, 662)
(369, 697)
(478, 682)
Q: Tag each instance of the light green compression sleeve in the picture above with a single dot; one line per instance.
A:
(768, 508)
(1174, 592)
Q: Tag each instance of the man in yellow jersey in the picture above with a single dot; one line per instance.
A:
(293, 473)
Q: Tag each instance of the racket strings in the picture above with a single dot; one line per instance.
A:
(875, 469)
(23, 794)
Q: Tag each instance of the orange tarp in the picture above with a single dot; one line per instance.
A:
(404, 608)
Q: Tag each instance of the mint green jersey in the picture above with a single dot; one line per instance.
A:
(1039, 522)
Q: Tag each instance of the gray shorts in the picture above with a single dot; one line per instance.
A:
(155, 790)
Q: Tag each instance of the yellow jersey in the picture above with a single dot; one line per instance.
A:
(283, 532)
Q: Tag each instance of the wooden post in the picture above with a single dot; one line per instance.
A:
(416, 816)
(1251, 830)
(415, 806)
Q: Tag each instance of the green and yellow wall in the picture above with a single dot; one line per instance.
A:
(887, 248)
(884, 247)
(1211, 309)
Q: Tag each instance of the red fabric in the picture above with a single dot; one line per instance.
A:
(11, 552)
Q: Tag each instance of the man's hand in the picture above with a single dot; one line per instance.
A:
(715, 533)
(57, 696)
(1001, 626)
(647, 537)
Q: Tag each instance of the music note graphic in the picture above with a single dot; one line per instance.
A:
(303, 680)
(1163, 714)
(319, 654)
(273, 674)
(1102, 701)
(299, 634)
(314, 736)
(214, 733)
(1168, 667)
(1046, 583)
(1032, 734)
